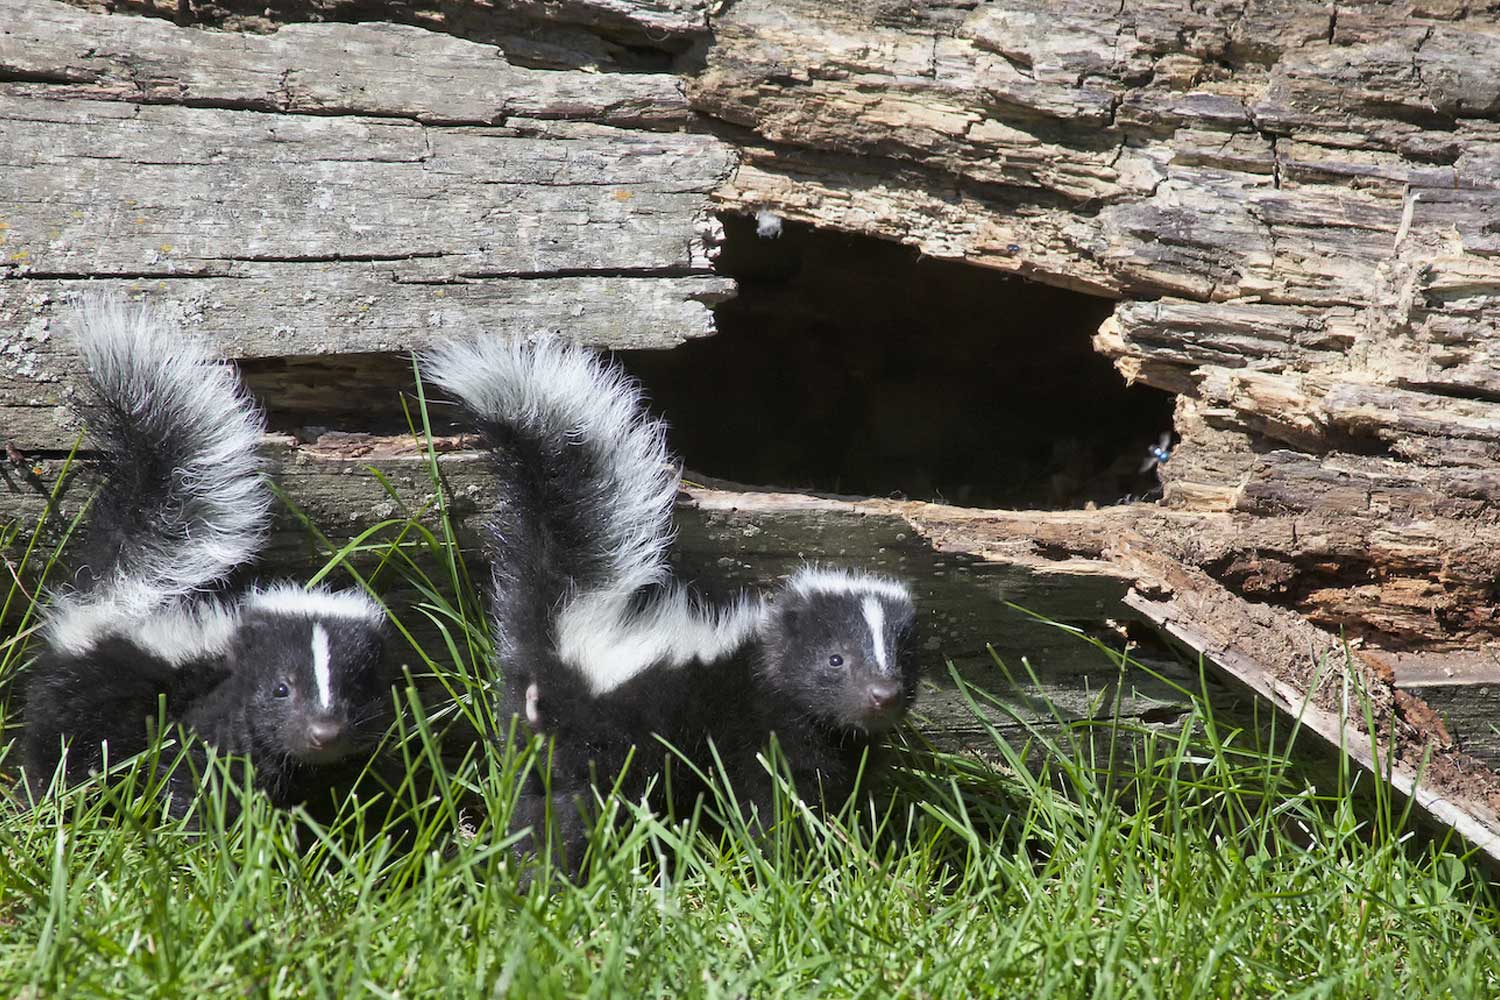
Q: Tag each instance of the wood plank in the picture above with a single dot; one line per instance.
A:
(1307, 675)
(1461, 687)
(336, 315)
(549, 33)
(379, 70)
(109, 188)
(334, 190)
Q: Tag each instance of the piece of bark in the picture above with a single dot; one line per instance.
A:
(376, 70)
(334, 190)
(611, 34)
(1313, 679)
(1459, 688)
(1296, 208)
(198, 192)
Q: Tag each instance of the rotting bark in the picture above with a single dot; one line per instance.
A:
(1311, 678)
(1298, 215)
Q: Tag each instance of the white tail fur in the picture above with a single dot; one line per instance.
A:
(200, 520)
(555, 391)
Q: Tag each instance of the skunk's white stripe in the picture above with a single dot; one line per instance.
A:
(875, 618)
(600, 638)
(290, 599)
(320, 665)
(177, 634)
(822, 580)
(188, 633)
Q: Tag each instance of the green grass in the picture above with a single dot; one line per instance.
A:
(1222, 877)
(1074, 863)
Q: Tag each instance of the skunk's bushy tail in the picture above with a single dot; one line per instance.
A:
(181, 503)
(585, 479)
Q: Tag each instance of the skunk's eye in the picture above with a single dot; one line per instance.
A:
(281, 691)
(835, 660)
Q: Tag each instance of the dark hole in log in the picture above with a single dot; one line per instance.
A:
(845, 365)
(857, 366)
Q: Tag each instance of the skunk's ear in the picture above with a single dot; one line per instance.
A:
(366, 649)
(790, 614)
(252, 637)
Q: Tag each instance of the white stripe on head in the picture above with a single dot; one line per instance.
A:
(812, 579)
(875, 618)
(289, 599)
(320, 665)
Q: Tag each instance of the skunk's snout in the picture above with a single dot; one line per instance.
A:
(882, 703)
(883, 695)
(324, 733)
(325, 737)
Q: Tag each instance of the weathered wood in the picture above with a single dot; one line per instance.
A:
(609, 34)
(210, 189)
(332, 314)
(1460, 688)
(1312, 678)
(1296, 206)
(380, 70)
(334, 189)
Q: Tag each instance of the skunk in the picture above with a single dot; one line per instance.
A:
(602, 651)
(294, 679)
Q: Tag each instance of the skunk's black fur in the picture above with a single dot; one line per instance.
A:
(294, 679)
(603, 652)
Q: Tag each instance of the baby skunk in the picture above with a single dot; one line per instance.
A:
(602, 651)
(294, 679)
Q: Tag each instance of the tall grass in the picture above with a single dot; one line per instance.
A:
(1083, 860)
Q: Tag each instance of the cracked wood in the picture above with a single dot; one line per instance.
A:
(333, 190)
(1297, 212)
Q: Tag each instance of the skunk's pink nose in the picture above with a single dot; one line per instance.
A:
(324, 733)
(883, 694)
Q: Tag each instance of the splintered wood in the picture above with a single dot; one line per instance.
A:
(1313, 678)
(1295, 205)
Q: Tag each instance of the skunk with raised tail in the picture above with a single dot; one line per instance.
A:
(599, 647)
(294, 679)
